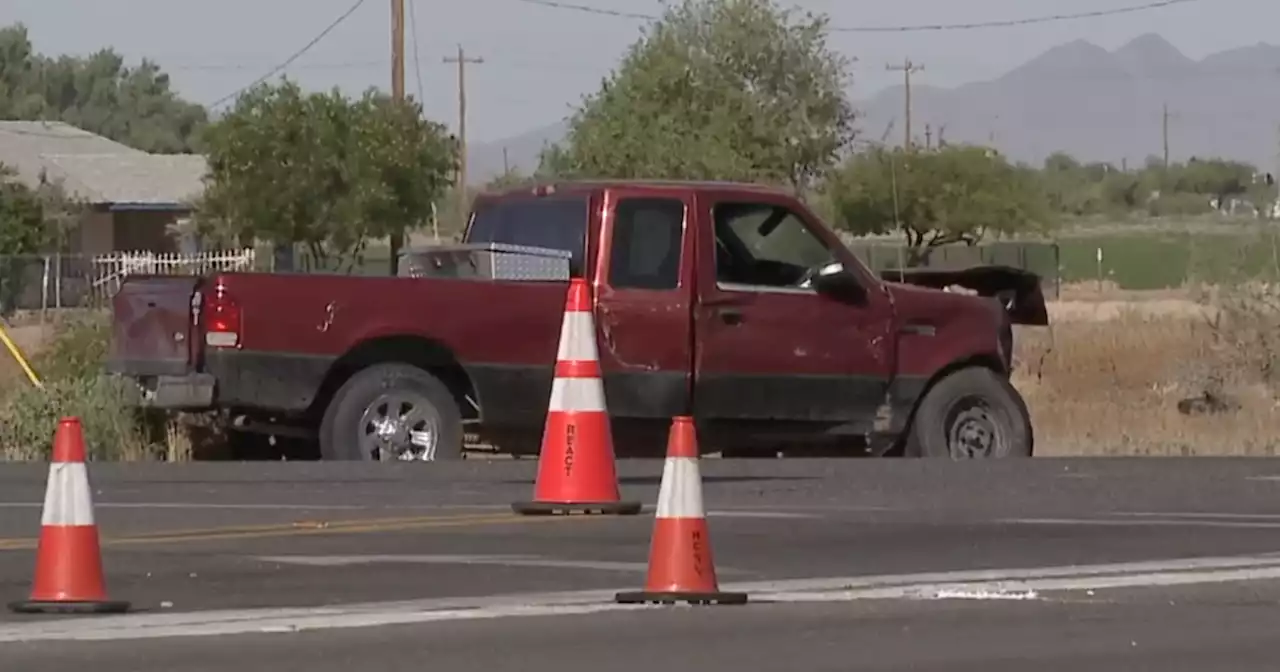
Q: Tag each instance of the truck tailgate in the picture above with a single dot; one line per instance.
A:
(152, 326)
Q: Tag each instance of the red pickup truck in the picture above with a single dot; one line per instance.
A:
(732, 303)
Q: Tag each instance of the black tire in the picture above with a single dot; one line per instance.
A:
(963, 408)
(342, 432)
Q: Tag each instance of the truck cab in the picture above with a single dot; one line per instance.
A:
(736, 304)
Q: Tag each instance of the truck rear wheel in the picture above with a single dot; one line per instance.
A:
(973, 413)
(392, 412)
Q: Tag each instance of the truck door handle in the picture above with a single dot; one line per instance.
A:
(730, 315)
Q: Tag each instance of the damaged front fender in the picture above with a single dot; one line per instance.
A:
(1018, 290)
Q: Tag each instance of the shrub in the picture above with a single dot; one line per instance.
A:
(112, 431)
(70, 367)
(78, 348)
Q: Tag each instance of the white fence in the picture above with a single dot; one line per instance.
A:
(109, 270)
(39, 282)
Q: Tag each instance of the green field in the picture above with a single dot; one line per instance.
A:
(1166, 259)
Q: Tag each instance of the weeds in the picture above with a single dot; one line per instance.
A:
(70, 367)
(1112, 386)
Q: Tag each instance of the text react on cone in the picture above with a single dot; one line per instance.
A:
(68, 576)
(576, 466)
(681, 567)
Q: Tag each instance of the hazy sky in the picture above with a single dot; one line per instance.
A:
(539, 60)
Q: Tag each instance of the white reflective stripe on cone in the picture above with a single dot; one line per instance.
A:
(67, 500)
(577, 339)
(681, 495)
(577, 394)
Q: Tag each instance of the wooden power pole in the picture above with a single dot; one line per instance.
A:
(1165, 116)
(396, 241)
(907, 69)
(462, 60)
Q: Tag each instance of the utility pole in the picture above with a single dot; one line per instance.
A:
(396, 240)
(907, 68)
(1165, 116)
(462, 60)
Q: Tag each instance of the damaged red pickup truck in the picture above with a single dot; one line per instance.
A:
(732, 303)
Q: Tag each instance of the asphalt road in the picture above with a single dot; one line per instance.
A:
(1133, 634)
(1124, 564)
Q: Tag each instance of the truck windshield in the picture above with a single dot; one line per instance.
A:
(554, 222)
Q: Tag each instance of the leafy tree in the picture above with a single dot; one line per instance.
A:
(955, 194)
(22, 231)
(1215, 178)
(717, 89)
(323, 170)
(134, 106)
(22, 224)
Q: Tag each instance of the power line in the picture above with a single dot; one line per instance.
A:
(296, 55)
(1004, 23)
(589, 10)
(238, 67)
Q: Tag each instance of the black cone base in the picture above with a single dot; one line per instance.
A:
(42, 607)
(644, 597)
(576, 508)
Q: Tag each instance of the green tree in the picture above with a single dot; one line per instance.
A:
(956, 194)
(22, 232)
(131, 105)
(323, 170)
(22, 223)
(717, 89)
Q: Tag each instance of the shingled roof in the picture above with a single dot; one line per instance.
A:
(132, 179)
(96, 169)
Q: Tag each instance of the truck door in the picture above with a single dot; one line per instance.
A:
(768, 347)
(643, 303)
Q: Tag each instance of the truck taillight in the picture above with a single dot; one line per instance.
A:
(222, 319)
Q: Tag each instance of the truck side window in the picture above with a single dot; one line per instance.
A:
(553, 222)
(765, 245)
(647, 235)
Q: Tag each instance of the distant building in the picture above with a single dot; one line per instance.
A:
(133, 196)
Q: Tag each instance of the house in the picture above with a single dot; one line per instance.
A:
(132, 196)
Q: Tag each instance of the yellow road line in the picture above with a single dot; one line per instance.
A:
(303, 528)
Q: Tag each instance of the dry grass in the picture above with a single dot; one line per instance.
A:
(1108, 382)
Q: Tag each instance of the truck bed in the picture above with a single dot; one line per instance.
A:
(297, 330)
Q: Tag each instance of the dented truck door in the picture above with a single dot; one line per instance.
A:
(643, 289)
(769, 346)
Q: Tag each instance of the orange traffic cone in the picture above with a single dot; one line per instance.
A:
(681, 568)
(576, 469)
(68, 575)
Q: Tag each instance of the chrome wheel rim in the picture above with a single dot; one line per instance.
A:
(399, 426)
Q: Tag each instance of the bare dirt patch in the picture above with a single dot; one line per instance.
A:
(1107, 377)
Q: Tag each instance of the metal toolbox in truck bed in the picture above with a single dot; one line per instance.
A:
(488, 261)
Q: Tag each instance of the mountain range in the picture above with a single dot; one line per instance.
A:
(1095, 104)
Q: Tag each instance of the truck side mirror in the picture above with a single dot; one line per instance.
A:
(840, 285)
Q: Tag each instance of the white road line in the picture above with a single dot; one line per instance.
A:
(505, 560)
(1033, 586)
(281, 507)
(1139, 568)
(910, 586)
(1084, 522)
(1198, 514)
(741, 513)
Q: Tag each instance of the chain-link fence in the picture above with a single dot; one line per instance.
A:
(1037, 257)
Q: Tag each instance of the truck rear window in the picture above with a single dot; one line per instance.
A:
(555, 222)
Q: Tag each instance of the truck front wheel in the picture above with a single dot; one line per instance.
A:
(392, 412)
(973, 413)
